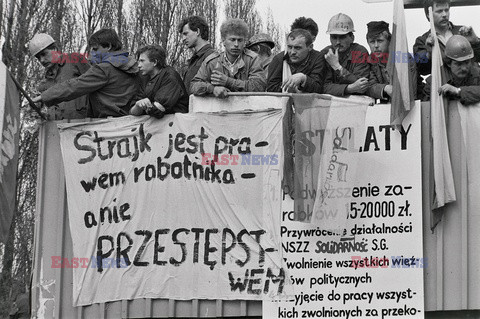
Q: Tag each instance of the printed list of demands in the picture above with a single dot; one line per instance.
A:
(370, 270)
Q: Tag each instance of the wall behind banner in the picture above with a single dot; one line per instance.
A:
(451, 278)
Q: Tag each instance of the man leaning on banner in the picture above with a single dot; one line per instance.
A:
(300, 69)
(462, 73)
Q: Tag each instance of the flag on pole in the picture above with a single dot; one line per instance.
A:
(9, 136)
(444, 190)
(403, 90)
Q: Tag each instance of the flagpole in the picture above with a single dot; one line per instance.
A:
(444, 189)
(30, 101)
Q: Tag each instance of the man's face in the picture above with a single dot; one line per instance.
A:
(45, 57)
(441, 15)
(378, 44)
(146, 66)
(460, 69)
(341, 42)
(297, 49)
(234, 45)
(190, 37)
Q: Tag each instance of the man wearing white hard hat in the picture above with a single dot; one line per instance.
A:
(347, 70)
(463, 76)
(59, 67)
(110, 85)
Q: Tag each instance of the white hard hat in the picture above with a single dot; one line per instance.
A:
(340, 24)
(39, 42)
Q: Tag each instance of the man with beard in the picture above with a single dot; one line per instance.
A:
(195, 36)
(463, 76)
(347, 71)
(59, 67)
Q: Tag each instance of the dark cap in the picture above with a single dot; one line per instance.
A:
(376, 27)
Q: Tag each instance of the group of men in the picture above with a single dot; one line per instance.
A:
(116, 84)
(112, 83)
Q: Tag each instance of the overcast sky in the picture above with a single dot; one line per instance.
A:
(321, 11)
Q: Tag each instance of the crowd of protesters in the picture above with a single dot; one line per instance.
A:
(113, 83)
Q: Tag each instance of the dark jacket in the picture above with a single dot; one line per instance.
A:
(249, 76)
(194, 64)
(354, 66)
(64, 68)
(313, 67)
(111, 85)
(166, 88)
(469, 87)
(379, 78)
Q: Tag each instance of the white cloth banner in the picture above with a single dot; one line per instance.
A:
(338, 161)
(152, 217)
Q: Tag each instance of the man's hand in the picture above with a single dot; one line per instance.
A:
(448, 90)
(359, 86)
(430, 40)
(469, 34)
(37, 99)
(218, 78)
(332, 59)
(220, 92)
(144, 104)
(294, 82)
(388, 89)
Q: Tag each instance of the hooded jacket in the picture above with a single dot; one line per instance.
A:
(111, 84)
